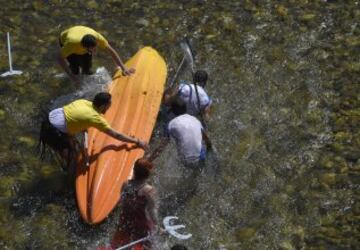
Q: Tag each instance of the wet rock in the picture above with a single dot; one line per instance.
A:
(328, 219)
(353, 67)
(286, 245)
(155, 20)
(92, 4)
(337, 147)
(307, 17)
(341, 123)
(38, 5)
(330, 232)
(143, 21)
(47, 171)
(2, 115)
(326, 161)
(7, 184)
(229, 23)
(281, 10)
(314, 116)
(356, 208)
(328, 179)
(27, 140)
(355, 166)
(245, 234)
(352, 41)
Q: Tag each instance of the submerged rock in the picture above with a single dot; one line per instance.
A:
(328, 179)
(2, 114)
(281, 10)
(245, 234)
(7, 184)
(27, 140)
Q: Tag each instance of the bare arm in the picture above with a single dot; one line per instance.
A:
(159, 149)
(206, 140)
(206, 113)
(121, 137)
(66, 68)
(151, 207)
(169, 94)
(115, 56)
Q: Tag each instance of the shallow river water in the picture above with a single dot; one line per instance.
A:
(284, 78)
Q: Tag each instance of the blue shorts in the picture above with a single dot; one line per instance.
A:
(202, 153)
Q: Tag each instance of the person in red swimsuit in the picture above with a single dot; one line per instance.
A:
(138, 215)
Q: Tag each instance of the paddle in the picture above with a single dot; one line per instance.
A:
(189, 54)
(169, 228)
(11, 71)
(177, 72)
(186, 46)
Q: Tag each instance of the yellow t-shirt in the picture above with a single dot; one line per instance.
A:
(80, 115)
(71, 40)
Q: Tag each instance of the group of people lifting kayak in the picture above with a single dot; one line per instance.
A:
(186, 102)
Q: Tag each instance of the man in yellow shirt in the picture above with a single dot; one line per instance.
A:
(77, 44)
(62, 124)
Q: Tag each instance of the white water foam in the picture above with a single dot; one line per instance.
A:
(90, 85)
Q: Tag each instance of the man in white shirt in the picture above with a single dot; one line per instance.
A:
(192, 95)
(189, 136)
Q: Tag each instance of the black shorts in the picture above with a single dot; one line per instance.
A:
(77, 62)
(54, 138)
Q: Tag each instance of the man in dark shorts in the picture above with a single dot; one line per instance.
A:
(77, 44)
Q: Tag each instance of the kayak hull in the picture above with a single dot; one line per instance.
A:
(135, 105)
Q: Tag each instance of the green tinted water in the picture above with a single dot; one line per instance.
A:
(285, 84)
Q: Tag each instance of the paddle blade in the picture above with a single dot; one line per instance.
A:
(188, 53)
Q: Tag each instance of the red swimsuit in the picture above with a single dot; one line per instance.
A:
(133, 223)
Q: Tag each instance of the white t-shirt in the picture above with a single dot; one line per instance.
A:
(186, 130)
(187, 95)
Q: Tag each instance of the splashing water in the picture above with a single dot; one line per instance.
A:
(91, 84)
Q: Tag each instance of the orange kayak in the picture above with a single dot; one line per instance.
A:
(134, 109)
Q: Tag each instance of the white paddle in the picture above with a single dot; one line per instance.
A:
(189, 55)
(171, 229)
(11, 71)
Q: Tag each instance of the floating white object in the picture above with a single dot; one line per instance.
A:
(171, 229)
(11, 71)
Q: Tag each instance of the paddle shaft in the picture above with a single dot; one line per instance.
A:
(197, 95)
(177, 72)
(134, 242)
(9, 51)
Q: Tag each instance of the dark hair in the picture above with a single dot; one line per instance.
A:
(142, 169)
(88, 41)
(200, 77)
(178, 108)
(102, 98)
(178, 247)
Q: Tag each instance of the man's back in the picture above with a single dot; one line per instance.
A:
(194, 102)
(187, 133)
(81, 115)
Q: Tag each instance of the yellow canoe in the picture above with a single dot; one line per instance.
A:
(135, 106)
